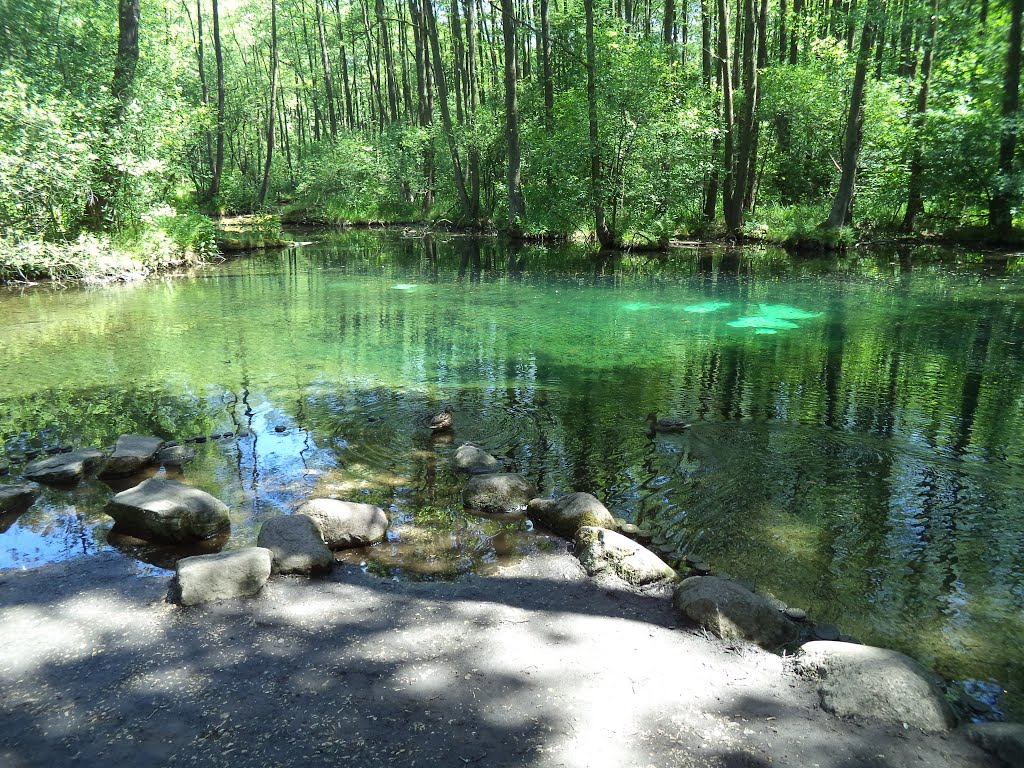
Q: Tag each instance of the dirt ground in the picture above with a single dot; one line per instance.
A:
(535, 666)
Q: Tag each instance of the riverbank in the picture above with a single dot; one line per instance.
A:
(536, 665)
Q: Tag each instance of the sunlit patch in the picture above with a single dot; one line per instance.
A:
(785, 312)
(405, 286)
(765, 331)
(707, 306)
(639, 306)
(763, 322)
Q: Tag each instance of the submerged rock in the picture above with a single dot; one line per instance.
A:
(17, 498)
(1004, 740)
(223, 576)
(175, 455)
(297, 543)
(864, 682)
(474, 459)
(601, 550)
(346, 523)
(567, 514)
(131, 453)
(166, 510)
(502, 492)
(730, 611)
(65, 467)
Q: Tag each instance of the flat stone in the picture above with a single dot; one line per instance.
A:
(175, 455)
(346, 524)
(628, 529)
(166, 510)
(859, 681)
(65, 467)
(730, 611)
(474, 459)
(500, 492)
(826, 632)
(567, 514)
(131, 453)
(1004, 740)
(297, 543)
(600, 549)
(17, 498)
(795, 614)
(223, 576)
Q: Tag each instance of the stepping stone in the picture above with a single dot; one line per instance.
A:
(65, 467)
(501, 492)
(166, 510)
(223, 576)
(567, 514)
(474, 459)
(600, 549)
(346, 523)
(730, 611)
(131, 453)
(175, 455)
(297, 544)
(17, 498)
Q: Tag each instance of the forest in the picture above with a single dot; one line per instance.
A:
(629, 122)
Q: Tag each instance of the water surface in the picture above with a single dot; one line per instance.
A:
(856, 448)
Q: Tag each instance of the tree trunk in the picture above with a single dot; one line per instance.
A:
(728, 121)
(549, 89)
(325, 61)
(915, 201)
(273, 105)
(218, 54)
(854, 123)
(1000, 213)
(605, 236)
(389, 61)
(202, 79)
(516, 206)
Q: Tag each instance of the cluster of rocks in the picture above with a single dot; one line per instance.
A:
(853, 680)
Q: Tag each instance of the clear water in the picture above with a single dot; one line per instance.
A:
(858, 439)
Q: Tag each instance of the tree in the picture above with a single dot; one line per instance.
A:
(1000, 214)
(272, 106)
(516, 206)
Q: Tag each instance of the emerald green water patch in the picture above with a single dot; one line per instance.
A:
(867, 466)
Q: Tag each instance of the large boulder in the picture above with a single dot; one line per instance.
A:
(500, 492)
(864, 682)
(131, 453)
(730, 610)
(1004, 740)
(346, 523)
(602, 550)
(17, 498)
(65, 467)
(166, 510)
(567, 514)
(297, 544)
(475, 460)
(223, 576)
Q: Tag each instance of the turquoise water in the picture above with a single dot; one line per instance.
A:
(857, 440)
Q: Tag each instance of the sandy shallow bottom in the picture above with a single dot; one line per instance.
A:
(537, 665)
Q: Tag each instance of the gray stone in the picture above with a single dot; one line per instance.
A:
(166, 510)
(175, 455)
(223, 576)
(1004, 740)
(567, 514)
(474, 459)
(131, 453)
(501, 492)
(730, 611)
(17, 498)
(65, 467)
(346, 523)
(297, 544)
(600, 550)
(863, 682)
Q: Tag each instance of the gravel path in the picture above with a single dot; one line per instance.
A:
(535, 666)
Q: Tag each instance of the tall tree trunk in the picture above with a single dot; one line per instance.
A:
(705, 43)
(273, 105)
(325, 61)
(218, 54)
(605, 236)
(728, 120)
(669, 23)
(389, 61)
(516, 206)
(854, 122)
(915, 201)
(783, 41)
(546, 74)
(205, 91)
(745, 157)
(1000, 212)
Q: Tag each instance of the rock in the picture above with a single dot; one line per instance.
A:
(864, 682)
(17, 498)
(826, 632)
(600, 550)
(223, 576)
(297, 544)
(567, 514)
(65, 467)
(629, 529)
(795, 614)
(346, 523)
(730, 611)
(166, 510)
(474, 459)
(501, 492)
(1004, 740)
(175, 455)
(131, 453)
